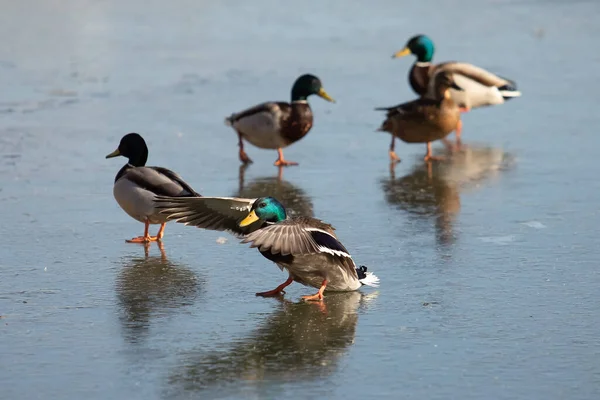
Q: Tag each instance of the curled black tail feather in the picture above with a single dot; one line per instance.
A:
(509, 90)
(361, 272)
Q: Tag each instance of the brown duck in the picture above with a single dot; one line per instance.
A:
(426, 119)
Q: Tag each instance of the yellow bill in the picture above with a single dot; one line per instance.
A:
(115, 153)
(252, 217)
(322, 93)
(404, 52)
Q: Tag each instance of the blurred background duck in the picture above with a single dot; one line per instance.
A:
(136, 186)
(275, 125)
(424, 120)
(480, 87)
(305, 247)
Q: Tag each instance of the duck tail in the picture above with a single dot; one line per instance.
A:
(386, 126)
(509, 90)
(367, 278)
(229, 120)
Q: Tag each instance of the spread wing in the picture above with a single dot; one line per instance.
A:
(213, 213)
(294, 237)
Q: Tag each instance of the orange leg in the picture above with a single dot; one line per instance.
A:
(393, 157)
(278, 290)
(146, 238)
(243, 156)
(319, 295)
(161, 231)
(281, 162)
(429, 156)
(458, 133)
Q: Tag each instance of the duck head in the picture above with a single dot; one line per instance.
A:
(132, 146)
(307, 85)
(265, 209)
(421, 46)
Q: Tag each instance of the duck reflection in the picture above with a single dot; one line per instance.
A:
(298, 342)
(152, 287)
(295, 199)
(432, 190)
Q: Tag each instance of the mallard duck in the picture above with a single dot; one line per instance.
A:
(480, 87)
(136, 186)
(424, 120)
(306, 247)
(275, 125)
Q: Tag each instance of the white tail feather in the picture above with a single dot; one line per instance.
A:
(510, 93)
(370, 280)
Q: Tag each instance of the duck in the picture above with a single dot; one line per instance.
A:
(425, 119)
(275, 125)
(136, 186)
(480, 87)
(307, 248)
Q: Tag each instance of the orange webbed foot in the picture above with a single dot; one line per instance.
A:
(314, 297)
(284, 163)
(143, 239)
(393, 157)
(278, 291)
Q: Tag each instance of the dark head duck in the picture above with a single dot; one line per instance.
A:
(133, 147)
(307, 85)
(265, 209)
(421, 46)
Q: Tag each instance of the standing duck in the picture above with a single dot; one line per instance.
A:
(424, 120)
(136, 186)
(306, 248)
(480, 87)
(275, 125)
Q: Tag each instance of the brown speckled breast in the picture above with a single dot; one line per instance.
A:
(297, 123)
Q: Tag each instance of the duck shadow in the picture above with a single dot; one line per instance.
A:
(295, 200)
(150, 288)
(431, 191)
(297, 342)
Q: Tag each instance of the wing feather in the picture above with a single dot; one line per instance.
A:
(213, 213)
(292, 237)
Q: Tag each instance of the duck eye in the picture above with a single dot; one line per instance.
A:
(262, 205)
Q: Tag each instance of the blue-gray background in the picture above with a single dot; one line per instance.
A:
(488, 263)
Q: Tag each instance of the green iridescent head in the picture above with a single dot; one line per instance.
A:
(421, 46)
(307, 85)
(265, 209)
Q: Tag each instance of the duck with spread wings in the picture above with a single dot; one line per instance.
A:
(307, 248)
